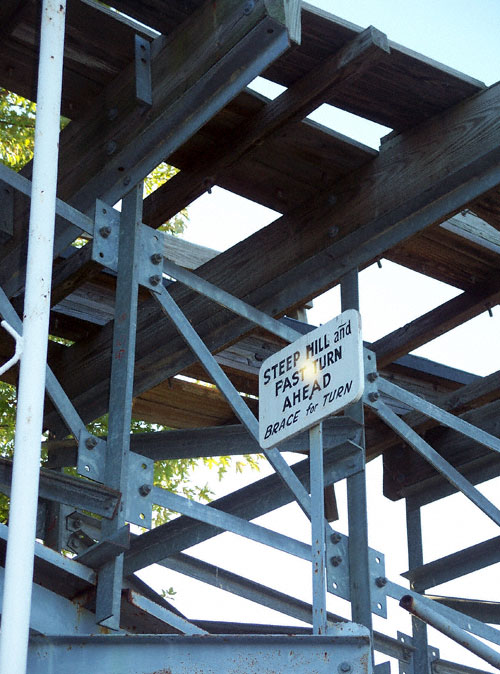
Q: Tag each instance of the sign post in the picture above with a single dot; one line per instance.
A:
(318, 375)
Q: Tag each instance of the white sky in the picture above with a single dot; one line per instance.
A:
(462, 35)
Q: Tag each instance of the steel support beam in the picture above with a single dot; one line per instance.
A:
(346, 649)
(249, 502)
(109, 587)
(357, 512)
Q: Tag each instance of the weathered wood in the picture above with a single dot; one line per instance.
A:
(182, 404)
(295, 103)
(437, 322)
(70, 273)
(306, 261)
(468, 397)
(201, 66)
(203, 442)
(407, 473)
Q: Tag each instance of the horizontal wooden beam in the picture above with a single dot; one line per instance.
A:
(471, 396)
(193, 443)
(294, 104)
(440, 169)
(408, 475)
(200, 67)
(437, 322)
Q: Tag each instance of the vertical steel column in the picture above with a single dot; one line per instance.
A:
(31, 392)
(317, 529)
(416, 558)
(120, 399)
(359, 570)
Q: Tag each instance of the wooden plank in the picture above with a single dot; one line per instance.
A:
(210, 441)
(182, 404)
(407, 473)
(295, 103)
(285, 263)
(201, 66)
(437, 322)
(468, 397)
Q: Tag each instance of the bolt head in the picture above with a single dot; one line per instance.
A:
(372, 376)
(336, 561)
(373, 396)
(345, 667)
(156, 258)
(155, 280)
(105, 231)
(91, 442)
(145, 489)
(248, 7)
(381, 581)
(335, 538)
(111, 147)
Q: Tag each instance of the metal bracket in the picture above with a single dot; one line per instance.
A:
(371, 393)
(139, 502)
(143, 87)
(83, 532)
(406, 666)
(91, 456)
(107, 549)
(337, 572)
(150, 272)
(105, 246)
(106, 230)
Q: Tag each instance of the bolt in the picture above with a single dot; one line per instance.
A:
(345, 667)
(156, 258)
(155, 280)
(127, 180)
(77, 524)
(110, 147)
(373, 396)
(105, 231)
(91, 442)
(248, 7)
(112, 114)
(333, 231)
(144, 489)
(371, 376)
(335, 561)
(381, 581)
(335, 538)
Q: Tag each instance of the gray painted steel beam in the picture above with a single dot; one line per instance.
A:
(437, 413)
(435, 459)
(249, 502)
(453, 566)
(226, 522)
(266, 596)
(191, 443)
(117, 462)
(467, 623)
(232, 396)
(72, 491)
(345, 649)
(486, 611)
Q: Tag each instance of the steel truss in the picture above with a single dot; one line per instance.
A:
(98, 631)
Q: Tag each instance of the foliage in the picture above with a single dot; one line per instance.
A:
(17, 128)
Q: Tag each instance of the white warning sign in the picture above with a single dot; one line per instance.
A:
(310, 379)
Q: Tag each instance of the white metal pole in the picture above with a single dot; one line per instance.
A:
(24, 491)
